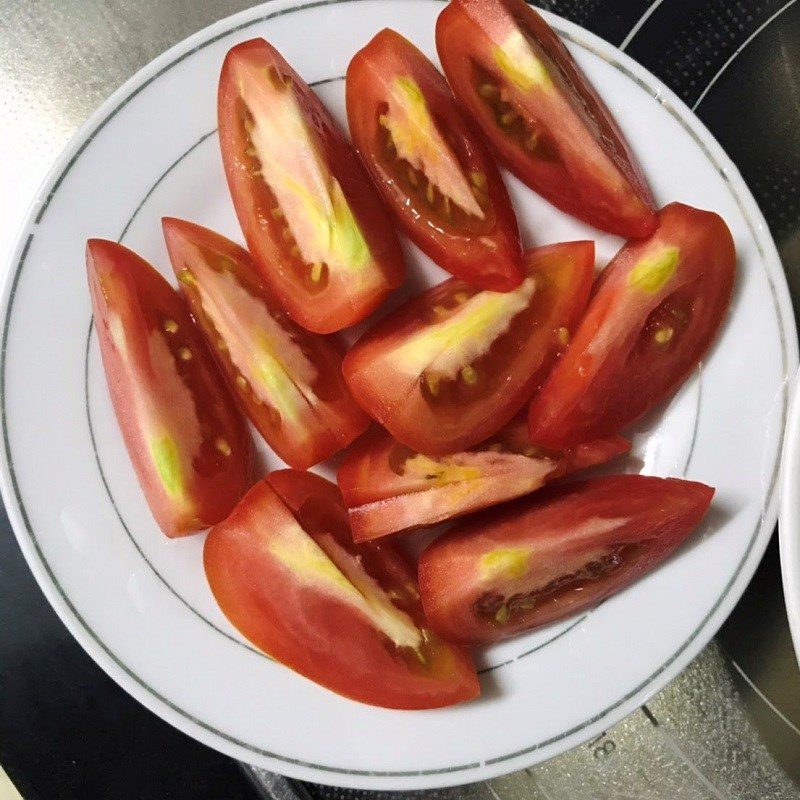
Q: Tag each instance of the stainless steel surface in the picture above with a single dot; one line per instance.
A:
(729, 727)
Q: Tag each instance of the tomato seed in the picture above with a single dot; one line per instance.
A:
(170, 326)
(430, 194)
(487, 90)
(185, 354)
(663, 335)
(469, 375)
(186, 277)
(478, 179)
(432, 382)
(276, 213)
(222, 446)
(563, 336)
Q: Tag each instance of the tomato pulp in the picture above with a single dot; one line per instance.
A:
(452, 366)
(313, 222)
(284, 569)
(287, 380)
(553, 554)
(432, 168)
(653, 315)
(541, 114)
(389, 488)
(188, 444)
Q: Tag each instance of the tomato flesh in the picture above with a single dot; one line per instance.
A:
(432, 169)
(452, 366)
(541, 115)
(188, 444)
(653, 315)
(389, 488)
(554, 554)
(313, 222)
(285, 571)
(288, 381)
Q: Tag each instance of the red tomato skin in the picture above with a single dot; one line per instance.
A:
(142, 291)
(588, 396)
(660, 512)
(381, 502)
(333, 308)
(568, 271)
(310, 632)
(491, 260)
(470, 29)
(333, 422)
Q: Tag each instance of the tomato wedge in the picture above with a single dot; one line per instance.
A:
(288, 381)
(432, 169)
(553, 554)
(285, 571)
(188, 444)
(452, 366)
(653, 315)
(313, 222)
(541, 115)
(389, 488)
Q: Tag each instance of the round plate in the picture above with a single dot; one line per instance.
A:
(789, 523)
(139, 603)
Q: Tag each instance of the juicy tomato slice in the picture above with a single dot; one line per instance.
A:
(285, 571)
(540, 113)
(288, 381)
(389, 488)
(188, 444)
(313, 222)
(455, 364)
(653, 315)
(432, 169)
(556, 553)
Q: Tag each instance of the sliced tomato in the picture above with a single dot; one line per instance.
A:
(313, 222)
(389, 488)
(432, 169)
(553, 554)
(452, 366)
(288, 381)
(285, 571)
(653, 315)
(540, 113)
(188, 444)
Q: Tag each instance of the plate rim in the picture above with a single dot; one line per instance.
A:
(183, 720)
(789, 517)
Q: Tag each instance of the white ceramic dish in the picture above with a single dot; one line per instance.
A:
(789, 522)
(139, 603)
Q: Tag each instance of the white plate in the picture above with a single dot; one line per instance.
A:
(139, 603)
(789, 523)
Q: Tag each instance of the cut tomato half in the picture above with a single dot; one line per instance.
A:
(313, 222)
(433, 171)
(554, 554)
(653, 315)
(454, 365)
(288, 381)
(285, 571)
(188, 444)
(389, 488)
(541, 115)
